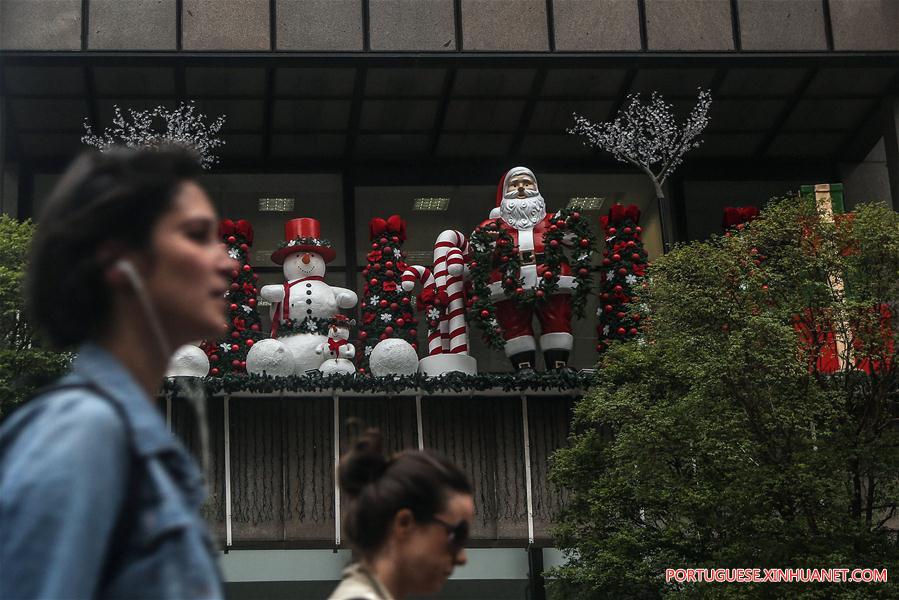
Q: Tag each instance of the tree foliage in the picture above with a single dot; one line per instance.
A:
(24, 364)
(715, 441)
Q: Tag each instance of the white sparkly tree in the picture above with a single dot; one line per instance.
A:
(183, 126)
(648, 137)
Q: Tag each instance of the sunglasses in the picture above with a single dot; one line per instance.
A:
(457, 535)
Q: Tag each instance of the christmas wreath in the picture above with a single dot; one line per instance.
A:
(307, 324)
(493, 247)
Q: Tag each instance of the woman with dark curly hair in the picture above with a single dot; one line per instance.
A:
(407, 520)
(97, 498)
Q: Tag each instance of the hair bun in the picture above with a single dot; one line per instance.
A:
(363, 464)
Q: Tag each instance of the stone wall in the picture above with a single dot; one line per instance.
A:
(451, 25)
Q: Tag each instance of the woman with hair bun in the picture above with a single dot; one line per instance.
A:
(408, 519)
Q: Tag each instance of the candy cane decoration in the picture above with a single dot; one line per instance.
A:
(449, 268)
(423, 276)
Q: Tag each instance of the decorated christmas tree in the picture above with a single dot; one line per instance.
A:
(624, 265)
(229, 354)
(387, 310)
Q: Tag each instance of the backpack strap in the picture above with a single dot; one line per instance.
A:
(123, 526)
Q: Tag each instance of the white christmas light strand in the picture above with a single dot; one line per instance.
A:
(647, 135)
(183, 126)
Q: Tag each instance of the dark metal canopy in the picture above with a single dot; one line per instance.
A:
(300, 112)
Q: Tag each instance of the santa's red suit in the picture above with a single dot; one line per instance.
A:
(526, 221)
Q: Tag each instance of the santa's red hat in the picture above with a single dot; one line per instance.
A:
(504, 182)
(303, 235)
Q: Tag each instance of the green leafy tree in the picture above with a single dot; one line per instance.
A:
(718, 440)
(24, 364)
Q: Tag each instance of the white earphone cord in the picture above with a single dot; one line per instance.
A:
(150, 312)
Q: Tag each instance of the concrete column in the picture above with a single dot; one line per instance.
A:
(891, 145)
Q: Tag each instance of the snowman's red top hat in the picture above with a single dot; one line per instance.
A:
(303, 235)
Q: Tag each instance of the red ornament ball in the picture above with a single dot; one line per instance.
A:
(373, 281)
(473, 264)
(394, 306)
(584, 242)
(414, 346)
(244, 247)
(609, 308)
(376, 266)
(626, 230)
(394, 238)
(547, 274)
(405, 300)
(383, 240)
(519, 291)
(620, 314)
(388, 330)
(413, 332)
(604, 296)
(246, 268)
(635, 257)
(400, 322)
(388, 273)
(374, 246)
(631, 243)
(255, 276)
(383, 336)
(231, 239)
(383, 303)
(234, 286)
(553, 228)
(214, 371)
(363, 335)
(621, 331)
(612, 231)
(233, 307)
(254, 327)
(539, 293)
(616, 257)
(485, 314)
(250, 342)
(252, 301)
(235, 273)
(583, 271)
(234, 347)
(575, 216)
(606, 261)
(214, 358)
(618, 288)
(554, 243)
(389, 264)
(633, 331)
(639, 229)
(622, 271)
(388, 250)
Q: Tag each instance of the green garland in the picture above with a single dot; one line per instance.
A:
(451, 382)
(493, 248)
(309, 324)
(305, 241)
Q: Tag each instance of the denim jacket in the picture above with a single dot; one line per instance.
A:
(100, 501)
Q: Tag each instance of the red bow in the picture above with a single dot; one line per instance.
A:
(241, 227)
(735, 215)
(394, 224)
(618, 213)
(334, 345)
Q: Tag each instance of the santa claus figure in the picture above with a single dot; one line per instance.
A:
(521, 211)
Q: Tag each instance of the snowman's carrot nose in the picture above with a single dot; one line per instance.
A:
(306, 259)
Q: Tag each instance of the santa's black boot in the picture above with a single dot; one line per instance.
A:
(524, 362)
(556, 360)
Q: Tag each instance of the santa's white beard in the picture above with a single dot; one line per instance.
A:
(523, 213)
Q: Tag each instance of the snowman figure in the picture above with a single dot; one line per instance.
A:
(303, 307)
(338, 352)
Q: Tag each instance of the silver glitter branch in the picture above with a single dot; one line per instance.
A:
(646, 135)
(182, 126)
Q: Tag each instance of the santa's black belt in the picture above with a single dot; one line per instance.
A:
(529, 257)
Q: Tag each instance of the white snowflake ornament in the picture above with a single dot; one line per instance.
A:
(631, 279)
(386, 317)
(234, 253)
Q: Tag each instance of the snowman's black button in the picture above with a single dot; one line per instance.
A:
(308, 292)
(308, 285)
(308, 311)
(308, 301)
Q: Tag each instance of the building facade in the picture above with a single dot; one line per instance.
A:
(353, 109)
